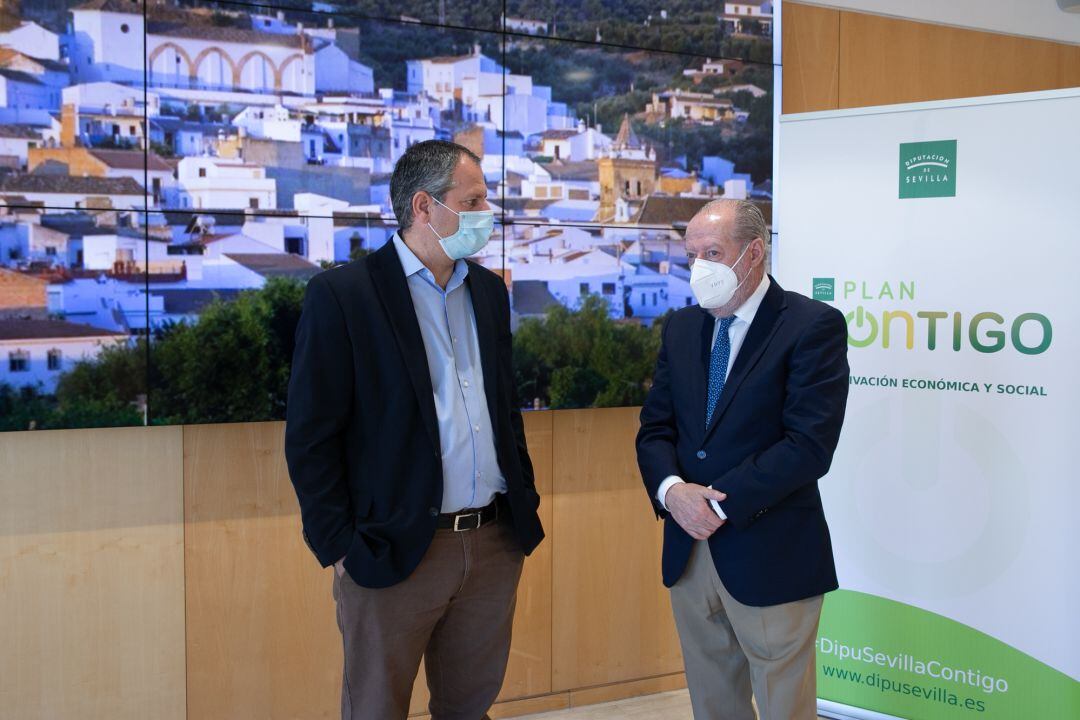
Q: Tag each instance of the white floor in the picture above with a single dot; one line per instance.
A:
(665, 706)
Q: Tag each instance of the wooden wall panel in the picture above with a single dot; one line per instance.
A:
(611, 615)
(1070, 65)
(633, 688)
(886, 60)
(529, 671)
(811, 45)
(262, 640)
(91, 574)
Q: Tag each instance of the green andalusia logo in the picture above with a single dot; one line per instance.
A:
(928, 169)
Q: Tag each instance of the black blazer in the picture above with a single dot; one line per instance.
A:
(361, 435)
(772, 436)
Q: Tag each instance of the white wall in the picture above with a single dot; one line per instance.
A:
(71, 351)
(336, 72)
(320, 239)
(103, 51)
(242, 244)
(16, 95)
(228, 184)
(99, 251)
(34, 40)
(69, 200)
(256, 74)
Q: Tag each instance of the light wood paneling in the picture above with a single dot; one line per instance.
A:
(621, 691)
(885, 61)
(262, 640)
(91, 574)
(529, 671)
(528, 706)
(1070, 65)
(611, 615)
(811, 40)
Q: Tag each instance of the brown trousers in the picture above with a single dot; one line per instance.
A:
(456, 611)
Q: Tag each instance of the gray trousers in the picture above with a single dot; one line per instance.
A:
(734, 652)
(456, 611)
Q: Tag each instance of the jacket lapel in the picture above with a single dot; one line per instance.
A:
(388, 277)
(487, 337)
(766, 323)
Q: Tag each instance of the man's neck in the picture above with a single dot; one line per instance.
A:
(430, 254)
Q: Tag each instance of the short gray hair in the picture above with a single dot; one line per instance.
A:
(425, 167)
(747, 220)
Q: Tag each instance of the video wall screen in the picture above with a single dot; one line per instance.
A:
(173, 172)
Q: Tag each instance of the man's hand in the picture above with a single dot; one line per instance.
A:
(688, 503)
(339, 567)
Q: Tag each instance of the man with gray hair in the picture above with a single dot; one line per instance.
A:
(741, 421)
(407, 450)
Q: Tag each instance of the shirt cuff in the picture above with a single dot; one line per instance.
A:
(718, 510)
(665, 486)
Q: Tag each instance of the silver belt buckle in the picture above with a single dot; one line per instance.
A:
(457, 522)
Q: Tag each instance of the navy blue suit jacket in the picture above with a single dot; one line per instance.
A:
(361, 433)
(771, 438)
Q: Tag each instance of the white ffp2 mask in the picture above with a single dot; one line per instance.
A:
(713, 283)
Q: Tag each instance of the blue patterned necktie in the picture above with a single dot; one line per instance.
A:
(718, 364)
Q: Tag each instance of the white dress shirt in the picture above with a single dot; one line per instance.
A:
(744, 316)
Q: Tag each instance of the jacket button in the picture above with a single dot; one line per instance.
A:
(434, 512)
(701, 455)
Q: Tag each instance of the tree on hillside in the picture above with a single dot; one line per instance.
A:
(583, 358)
(233, 364)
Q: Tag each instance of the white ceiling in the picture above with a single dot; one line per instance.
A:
(1033, 18)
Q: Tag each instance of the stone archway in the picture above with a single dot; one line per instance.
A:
(238, 75)
(280, 80)
(180, 53)
(208, 54)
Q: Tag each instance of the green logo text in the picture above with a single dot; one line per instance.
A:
(928, 169)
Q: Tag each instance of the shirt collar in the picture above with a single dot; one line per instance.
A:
(413, 266)
(409, 262)
(748, 310)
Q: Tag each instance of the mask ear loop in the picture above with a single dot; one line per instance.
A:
(436, 232)
(737, 262)
(445, 206)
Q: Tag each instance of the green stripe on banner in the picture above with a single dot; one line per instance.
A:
(893, 658)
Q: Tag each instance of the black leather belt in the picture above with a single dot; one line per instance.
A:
(469, 519)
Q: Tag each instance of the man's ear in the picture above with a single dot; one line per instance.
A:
(757, 253)
(421, 207)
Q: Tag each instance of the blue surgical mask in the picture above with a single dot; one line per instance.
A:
(474, 230)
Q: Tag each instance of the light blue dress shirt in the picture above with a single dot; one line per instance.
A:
(471, 474)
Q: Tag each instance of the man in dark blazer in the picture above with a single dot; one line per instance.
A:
(741, 421)
(407, 449)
